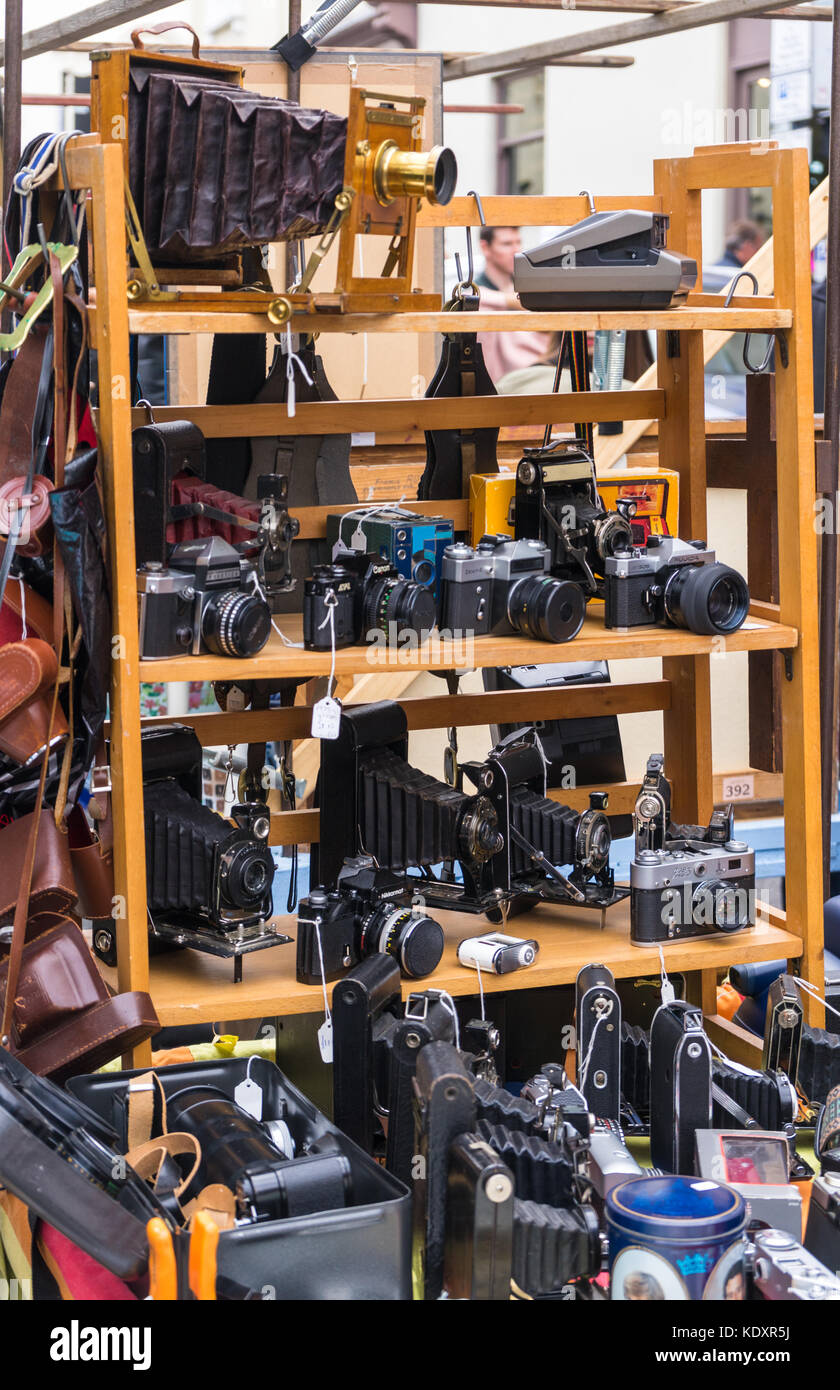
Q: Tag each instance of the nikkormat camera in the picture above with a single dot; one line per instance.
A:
(506, 836)
(363, 915)
(367, 596)
(557, 502)
(205, 600)
(674, 583)
(503, 586)
(685, 880)
(208, 882)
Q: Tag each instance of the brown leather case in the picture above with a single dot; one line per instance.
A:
(65, 1020)
(28, 671)
(92, 860)
(53, 886)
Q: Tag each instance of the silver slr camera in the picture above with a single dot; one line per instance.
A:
(503, 587)
(204, 600)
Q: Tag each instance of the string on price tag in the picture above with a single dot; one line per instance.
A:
(326, 713)
(292, 360)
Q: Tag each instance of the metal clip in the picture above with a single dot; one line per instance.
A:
(343, 203)
(145, 284)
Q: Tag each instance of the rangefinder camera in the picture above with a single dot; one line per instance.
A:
(673, 583)
(498, 953)
(691, 888)
(784, 1271)
(504, 586)
(206, 600)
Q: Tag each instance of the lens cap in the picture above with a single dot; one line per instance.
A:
(420, 946)
(559, 611)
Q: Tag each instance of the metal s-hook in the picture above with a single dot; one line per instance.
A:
(585, 193)
(472, 194)
(768, 356)
(469, 282)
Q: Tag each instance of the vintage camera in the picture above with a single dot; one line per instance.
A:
(598, 1020)
(497, 953)
(361, 916)
(208, 883)
(557, 501)
(503, 586)
(205, 600)
(507, 836)
(367, 595)
(822, 1230)
(685, 880)
(784, 1271)
(676, 584)
(414, 544)
(680, 1085)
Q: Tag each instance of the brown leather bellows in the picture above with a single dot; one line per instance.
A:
(214, 168)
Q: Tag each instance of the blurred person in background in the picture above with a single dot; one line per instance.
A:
(505, 352)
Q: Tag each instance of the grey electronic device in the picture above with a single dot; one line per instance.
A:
(610, 260)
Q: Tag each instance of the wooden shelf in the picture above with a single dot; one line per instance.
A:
(170, 318)
(189, 987)
(594, 642)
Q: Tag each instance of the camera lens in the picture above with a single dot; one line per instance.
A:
(246, 871)
(412, 938)
(236, 623)
(593, 841)
(546, 608)
(707, 598)
(409, 606)
(720, 905)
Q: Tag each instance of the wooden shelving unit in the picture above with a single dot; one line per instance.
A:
(189, 986)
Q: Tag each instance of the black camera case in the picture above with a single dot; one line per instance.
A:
(358, 1251)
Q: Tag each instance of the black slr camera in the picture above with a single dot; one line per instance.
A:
(557, 501)
(205, 600)
(503, 587)
(359, 918)
(367, 595)
(675, 583)
(685, 880)
(208, 883)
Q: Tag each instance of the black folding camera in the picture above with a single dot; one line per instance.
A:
(363, 915)
(204, 601)
(685, 880)
(676, 584)
(680, 1085)
(507, 836)
(557, 501)
(504, 587)
(173, 502)
(208, 884)
(366, 595)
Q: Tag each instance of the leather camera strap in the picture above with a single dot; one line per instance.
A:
(22, 906)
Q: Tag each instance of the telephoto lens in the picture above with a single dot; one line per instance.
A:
(707, 598)
(549, 609)
(236, 623)
(399, 601)
(414, 940)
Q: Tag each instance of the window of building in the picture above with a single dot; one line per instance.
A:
(522, 134)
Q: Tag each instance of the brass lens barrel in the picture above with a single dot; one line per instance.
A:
(429, 174)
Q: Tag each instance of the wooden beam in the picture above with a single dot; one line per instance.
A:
(794, 11)
(425, 413)
(652, 26)
(85, 22)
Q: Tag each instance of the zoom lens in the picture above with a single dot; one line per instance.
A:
(246, 871)
(546, 608)
(235, 623)
(409, 606)
(414, 940)
(707, 598)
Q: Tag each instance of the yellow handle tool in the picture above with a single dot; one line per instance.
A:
(163, 1278)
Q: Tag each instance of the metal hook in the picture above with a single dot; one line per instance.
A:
(472, 194)
(745, 356)
(585, 193)
(147, 406)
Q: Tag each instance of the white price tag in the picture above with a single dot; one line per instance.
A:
(326, 718)
(325, 1040)
(248, 1095)
(739, 788)
(358, 540)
